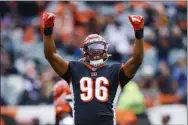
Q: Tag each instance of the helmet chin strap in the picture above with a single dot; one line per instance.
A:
(99, 62)
(96, 63)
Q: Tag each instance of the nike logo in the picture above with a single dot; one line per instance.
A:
(135, 19)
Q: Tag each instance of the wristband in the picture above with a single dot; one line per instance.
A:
(48, 31)
(139, 34)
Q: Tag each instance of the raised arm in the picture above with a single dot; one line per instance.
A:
(58, 64)
(131, 66)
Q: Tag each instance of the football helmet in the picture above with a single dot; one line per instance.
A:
(60, 88)
(95, 50)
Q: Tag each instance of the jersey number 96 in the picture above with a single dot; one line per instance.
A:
(90, 89)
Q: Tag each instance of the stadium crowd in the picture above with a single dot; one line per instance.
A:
(27, 78)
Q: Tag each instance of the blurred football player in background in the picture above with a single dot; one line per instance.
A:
(63, 102)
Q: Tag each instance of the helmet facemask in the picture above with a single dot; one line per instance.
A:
(95, 53)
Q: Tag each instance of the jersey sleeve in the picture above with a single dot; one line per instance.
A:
(120, 76)
(68, 74)
(123, 79)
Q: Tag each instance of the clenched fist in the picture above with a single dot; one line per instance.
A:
(137, 22)
(49, 19)
(138, 25)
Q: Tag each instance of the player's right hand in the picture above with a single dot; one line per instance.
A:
(49, 19)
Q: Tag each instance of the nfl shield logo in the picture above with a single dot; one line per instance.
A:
(94, 74)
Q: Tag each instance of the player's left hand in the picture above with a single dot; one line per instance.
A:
(137, 22)
(49, 19)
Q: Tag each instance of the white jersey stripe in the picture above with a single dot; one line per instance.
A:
(73, 111)
(118, 91)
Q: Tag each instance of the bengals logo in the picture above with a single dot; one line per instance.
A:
(94, 74)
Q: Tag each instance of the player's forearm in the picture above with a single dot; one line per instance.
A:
(59, 65)
(131, 66)
(138, 52)
(49, 47)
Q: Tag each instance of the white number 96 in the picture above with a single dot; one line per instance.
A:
(89, 89)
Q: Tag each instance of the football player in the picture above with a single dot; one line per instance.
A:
(95, 85)
(63, 103)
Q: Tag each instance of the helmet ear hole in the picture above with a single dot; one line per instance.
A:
(83, 54)
(87, 57)
(105, 55)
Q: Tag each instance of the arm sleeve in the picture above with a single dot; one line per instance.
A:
(123, 79)
(67, 75)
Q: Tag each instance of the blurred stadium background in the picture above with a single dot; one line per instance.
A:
(159, 89)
